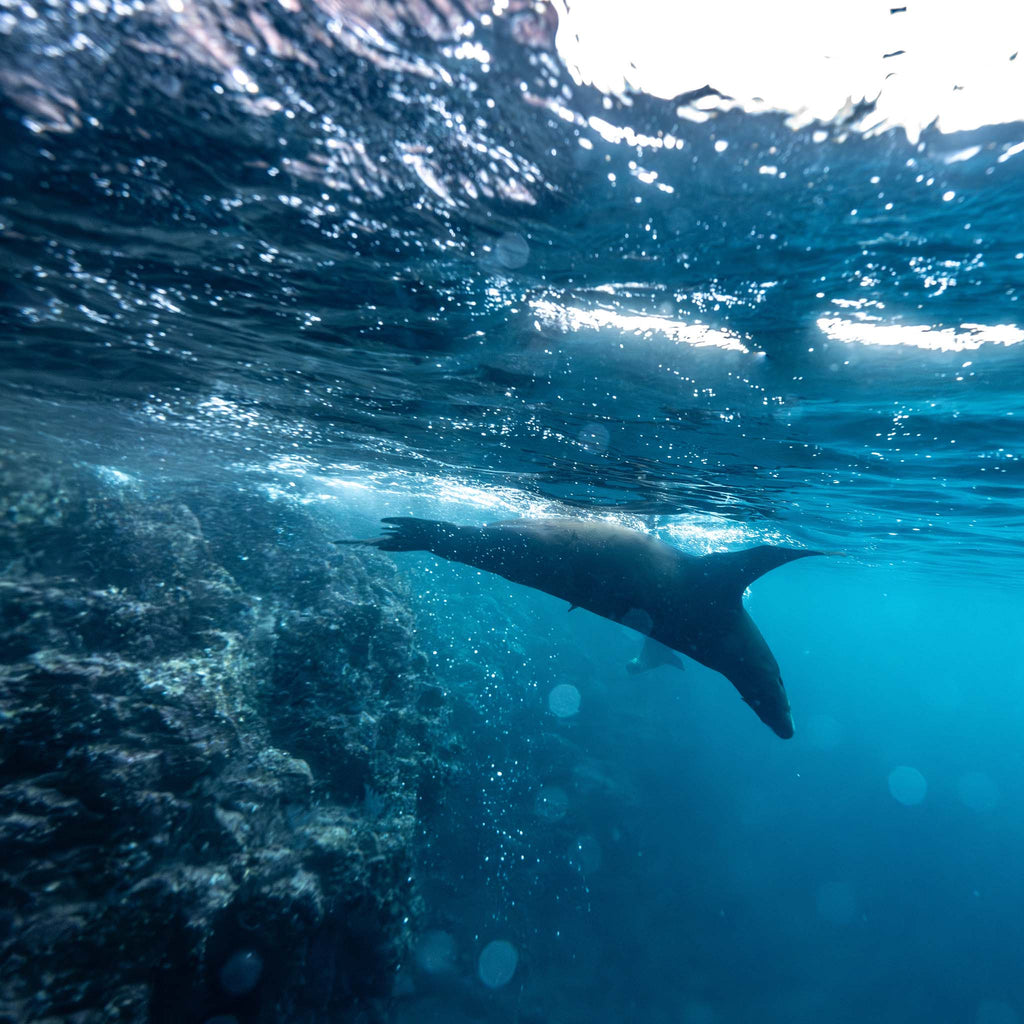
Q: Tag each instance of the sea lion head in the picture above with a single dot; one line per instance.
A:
(743, 657)
(767, 696)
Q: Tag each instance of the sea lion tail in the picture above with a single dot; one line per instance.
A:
(406, 533)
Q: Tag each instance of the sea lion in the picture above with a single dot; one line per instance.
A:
(690, 604)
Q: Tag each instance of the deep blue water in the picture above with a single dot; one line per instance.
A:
(361, 271)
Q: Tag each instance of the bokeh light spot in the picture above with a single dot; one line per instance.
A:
(978, 791)
(497, 963)
(907, 785)
(552, 803)
(435, 952)
(995, 1011)
(241, 973)
(564, 700)
(512, 251)
(585, 854)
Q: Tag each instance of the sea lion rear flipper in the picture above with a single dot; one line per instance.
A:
(406, 533)
(653, 654)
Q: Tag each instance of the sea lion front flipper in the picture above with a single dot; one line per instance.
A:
(653, 654)
(734, 571)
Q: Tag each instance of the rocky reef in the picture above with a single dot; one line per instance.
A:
(216, 734)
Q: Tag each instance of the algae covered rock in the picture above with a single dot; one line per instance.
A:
(210, 760)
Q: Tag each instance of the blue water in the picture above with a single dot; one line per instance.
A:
(340, 263)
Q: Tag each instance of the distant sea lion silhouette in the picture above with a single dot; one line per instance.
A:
(687, 603)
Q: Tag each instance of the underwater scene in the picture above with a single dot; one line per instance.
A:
(487, 536)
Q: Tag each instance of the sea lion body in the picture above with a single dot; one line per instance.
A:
(690, 604)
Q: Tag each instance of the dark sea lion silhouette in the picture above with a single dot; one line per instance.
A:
(688, 603)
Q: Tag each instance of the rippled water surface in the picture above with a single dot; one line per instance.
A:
(388, 258)
(397, 248)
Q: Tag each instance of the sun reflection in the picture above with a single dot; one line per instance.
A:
(966, 338)
(571, 318)
(917, 64)
(702, 535)
(403, 490)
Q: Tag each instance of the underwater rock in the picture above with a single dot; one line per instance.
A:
(210, 760)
